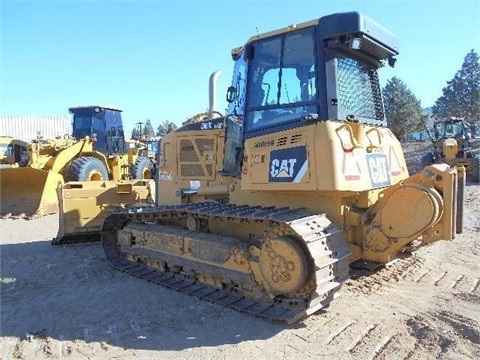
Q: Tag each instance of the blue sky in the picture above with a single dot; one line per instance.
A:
(153, 58)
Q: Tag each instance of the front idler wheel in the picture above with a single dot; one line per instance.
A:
(283, 265)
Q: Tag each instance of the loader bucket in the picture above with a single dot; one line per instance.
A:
(84, 206)
(27, 191)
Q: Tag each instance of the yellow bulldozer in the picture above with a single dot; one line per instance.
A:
(263, 210)
(95, 151)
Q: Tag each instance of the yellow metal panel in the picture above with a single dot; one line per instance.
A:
(339, 157)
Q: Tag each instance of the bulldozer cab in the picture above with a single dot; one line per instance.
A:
(323, 69)
(102, 123)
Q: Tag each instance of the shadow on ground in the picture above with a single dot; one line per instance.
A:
(71, 293)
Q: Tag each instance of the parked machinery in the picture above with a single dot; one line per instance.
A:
(148, 144)
(95, 151)
(263, 209)
(13, 152)
(451, 144)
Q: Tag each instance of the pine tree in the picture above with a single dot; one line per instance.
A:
(136, 134)
(461, 96)
(165, 128)
(402, 109)
(148, 131)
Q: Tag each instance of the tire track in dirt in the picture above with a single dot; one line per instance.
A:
(476, 285)
(464, 326)
(368, 282)
(417, 337)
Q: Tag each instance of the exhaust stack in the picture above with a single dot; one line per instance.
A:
(212, 93)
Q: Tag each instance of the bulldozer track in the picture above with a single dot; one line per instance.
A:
(322, 239)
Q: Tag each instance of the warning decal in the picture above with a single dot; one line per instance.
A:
(350, 168)
(395, 168)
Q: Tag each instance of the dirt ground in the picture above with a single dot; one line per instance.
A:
(66, 302)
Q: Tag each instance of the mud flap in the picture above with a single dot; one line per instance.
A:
(28, 191)
(84, 206)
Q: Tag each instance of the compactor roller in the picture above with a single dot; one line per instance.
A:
(264, 209)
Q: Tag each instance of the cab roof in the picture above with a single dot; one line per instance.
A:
(337, 25)
(94, 106)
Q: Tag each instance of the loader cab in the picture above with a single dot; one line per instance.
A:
(452, 128)
(325, 69)
(102, 123)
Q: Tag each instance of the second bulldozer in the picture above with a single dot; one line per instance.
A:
(264, 209)
(95, 151)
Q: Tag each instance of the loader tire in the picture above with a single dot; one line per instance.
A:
(142, 169)
(87, 169)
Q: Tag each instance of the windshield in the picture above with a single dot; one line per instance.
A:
(282, 83)
(87, 122)
(82, 125)
(449, 129)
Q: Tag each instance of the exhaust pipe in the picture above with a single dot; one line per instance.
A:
(212, 93)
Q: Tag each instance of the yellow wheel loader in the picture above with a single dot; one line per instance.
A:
(147, 143)
(263, 210)
(95, 151)
(146, 149)
(451, 144)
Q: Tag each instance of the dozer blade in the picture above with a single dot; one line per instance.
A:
(28, 192)
(84, 206)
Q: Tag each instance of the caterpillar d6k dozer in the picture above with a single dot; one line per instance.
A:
(95, 151)
(264, 209)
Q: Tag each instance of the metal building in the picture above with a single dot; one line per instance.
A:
(28, 128)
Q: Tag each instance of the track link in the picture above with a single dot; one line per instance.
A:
(321, 238)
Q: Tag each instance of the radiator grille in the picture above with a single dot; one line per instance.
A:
(195, 170)
(193, 157)
(187, 151)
